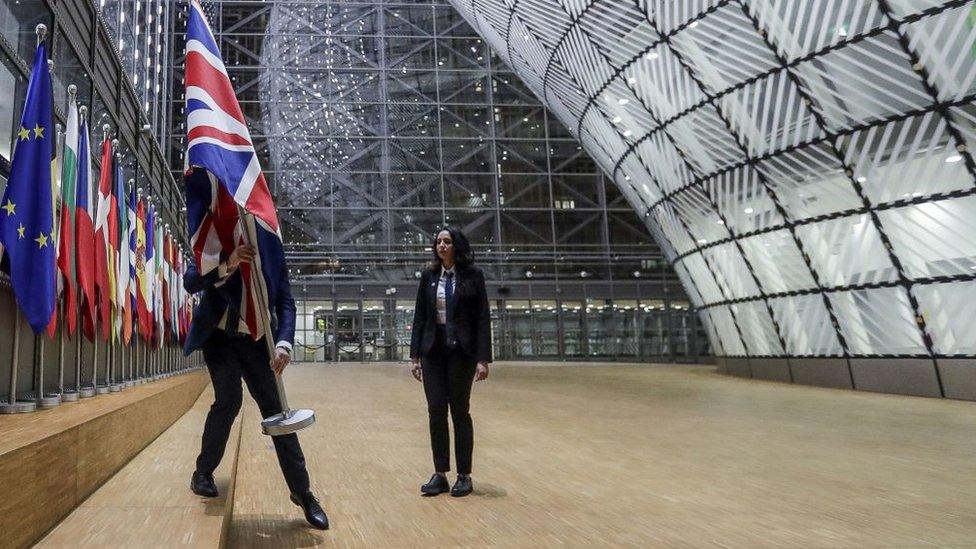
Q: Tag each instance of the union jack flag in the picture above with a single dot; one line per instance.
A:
(223, 172)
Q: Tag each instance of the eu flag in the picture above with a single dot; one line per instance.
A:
(26, 210)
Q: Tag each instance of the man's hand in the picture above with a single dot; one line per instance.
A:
(281, 359)
(481, 373)
(241, 254)
(415, 369)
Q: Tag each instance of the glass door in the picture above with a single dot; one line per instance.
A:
(348, 326)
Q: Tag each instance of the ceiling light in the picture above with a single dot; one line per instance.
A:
(651, 56)
(953, 159)
(748, 210)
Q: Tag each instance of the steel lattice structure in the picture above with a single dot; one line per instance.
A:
(803, 163)
(377, 122)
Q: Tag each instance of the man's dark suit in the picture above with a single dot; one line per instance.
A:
(449, 354)
(231, 356)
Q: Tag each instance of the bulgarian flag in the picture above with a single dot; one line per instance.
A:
(66, 240)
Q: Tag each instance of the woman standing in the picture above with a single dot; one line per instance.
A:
(450, 346)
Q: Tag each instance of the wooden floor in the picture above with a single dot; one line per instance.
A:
(148, 503)
(632, 456)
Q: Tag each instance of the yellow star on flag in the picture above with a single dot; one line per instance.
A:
(23, 134)
(20, 231)
(9, 206)
(38, 131)
(41, 240)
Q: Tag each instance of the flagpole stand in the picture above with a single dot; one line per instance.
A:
(13, 404)
(73, 395)
(84, 392)
(288, 421)
(45, 401)
(118, 352)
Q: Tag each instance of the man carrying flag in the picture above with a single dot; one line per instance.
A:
(27, 209)
(223, 174)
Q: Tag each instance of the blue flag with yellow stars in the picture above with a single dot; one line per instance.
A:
(26, 210)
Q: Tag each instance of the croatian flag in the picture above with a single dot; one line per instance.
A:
(223, 172)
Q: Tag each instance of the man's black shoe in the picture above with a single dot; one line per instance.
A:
(313, 511)
(203, 485)
(436, 485)
(462, 487)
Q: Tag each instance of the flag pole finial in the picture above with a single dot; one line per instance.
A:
(115, 145)
(41, 30)
(106, 129)
(83, 110)
(72, 90)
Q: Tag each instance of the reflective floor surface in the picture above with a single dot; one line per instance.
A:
(619, 455)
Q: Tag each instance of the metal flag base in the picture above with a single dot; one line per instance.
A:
(115, 387)
(87, 392)
(19, 407)
(287, 422)
(101, 390)
(130, 383)
(48, 401)
(69, 396)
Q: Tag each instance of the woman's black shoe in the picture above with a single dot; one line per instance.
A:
(203, 485)
(436, 485)
(462, 487)
(313, 511)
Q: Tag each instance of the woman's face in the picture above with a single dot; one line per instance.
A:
(445, 247)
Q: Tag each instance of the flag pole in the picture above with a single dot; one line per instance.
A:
(12, 406)
(61, 306)
(73, 396)
(288, 421)
(104, 388)
(86, 392)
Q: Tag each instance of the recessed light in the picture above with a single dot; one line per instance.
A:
(953, 159)
(651, 56)
(748, 210)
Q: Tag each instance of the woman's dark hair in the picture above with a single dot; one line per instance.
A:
(463, 256)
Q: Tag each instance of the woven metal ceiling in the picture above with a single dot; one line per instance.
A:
(805, 164)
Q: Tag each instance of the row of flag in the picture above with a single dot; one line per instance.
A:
(106, 250)
(138, 286)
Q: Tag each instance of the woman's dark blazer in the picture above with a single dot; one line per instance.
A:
(469, 311)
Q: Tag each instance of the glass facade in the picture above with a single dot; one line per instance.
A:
(117, 68)
(806, 166)
(378, 122)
